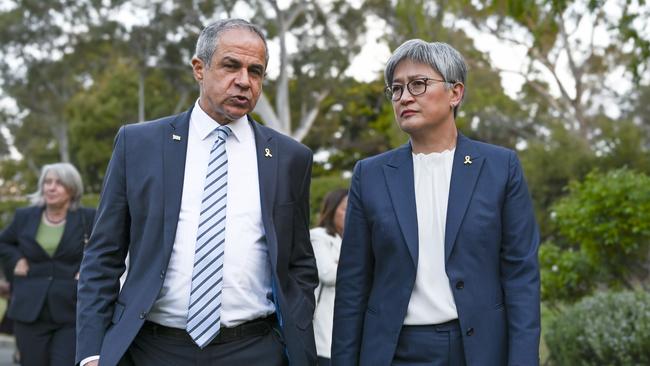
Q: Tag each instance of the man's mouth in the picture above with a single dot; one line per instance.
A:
(240, 99)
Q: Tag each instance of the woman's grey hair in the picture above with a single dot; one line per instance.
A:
(208, 40)
(70, 179)
(442, 58)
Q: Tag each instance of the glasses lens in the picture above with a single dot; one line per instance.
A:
(417, 87)
(394, 92)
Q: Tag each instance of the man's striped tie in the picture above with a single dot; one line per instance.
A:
(204, 313)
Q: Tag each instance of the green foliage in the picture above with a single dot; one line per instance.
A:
(608, 216)
(319, 188)
(606, 329)
(550, 164)
(7, 210)
(96, 114)
(567, 275)
(357, 122)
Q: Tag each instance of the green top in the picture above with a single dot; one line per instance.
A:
(49, 236)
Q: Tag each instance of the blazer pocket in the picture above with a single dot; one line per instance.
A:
(117, 313)
(304, 314)
(28, 295)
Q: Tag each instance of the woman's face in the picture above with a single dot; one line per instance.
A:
(339, 215)
(54, 192)
(426, 111)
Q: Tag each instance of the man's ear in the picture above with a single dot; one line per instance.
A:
(198, 68)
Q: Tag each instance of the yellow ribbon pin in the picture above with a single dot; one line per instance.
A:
(267, 153)
(467, 160)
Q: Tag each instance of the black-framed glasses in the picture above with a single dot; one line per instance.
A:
(415, 87)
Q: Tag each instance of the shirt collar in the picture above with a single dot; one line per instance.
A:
(205, 124)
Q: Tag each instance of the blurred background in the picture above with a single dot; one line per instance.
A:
(565, 83)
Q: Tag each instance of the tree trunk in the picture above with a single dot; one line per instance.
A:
(141, 81)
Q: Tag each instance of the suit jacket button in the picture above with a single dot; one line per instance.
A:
(460, 285)
(470, 332)
(142, 315)
(162, 274)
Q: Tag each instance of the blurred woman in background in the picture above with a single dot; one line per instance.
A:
(44, 245)
(326, 241)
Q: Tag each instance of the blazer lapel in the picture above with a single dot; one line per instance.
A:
(31, 227)
(174, 142)
(267, 170)
(34, 220)
(72, 221)
(463, 181)
(400, 181)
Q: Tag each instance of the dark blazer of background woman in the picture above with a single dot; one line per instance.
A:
(51, 280)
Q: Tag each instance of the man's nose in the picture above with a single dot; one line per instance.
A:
(243, 79)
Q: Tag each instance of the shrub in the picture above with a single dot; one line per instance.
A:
(566, 275)
(608, 216)
(605, 329)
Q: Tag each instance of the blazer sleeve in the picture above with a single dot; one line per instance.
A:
(520, 270)
(354, 278)
(9, 252)
(302, 263)
(104, 256)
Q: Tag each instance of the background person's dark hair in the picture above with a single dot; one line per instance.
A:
(328, 208)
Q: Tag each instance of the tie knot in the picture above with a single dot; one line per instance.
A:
(223, 132)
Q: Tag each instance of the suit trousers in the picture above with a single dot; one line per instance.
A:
(44, 342)
(430, 345)
(156, 345)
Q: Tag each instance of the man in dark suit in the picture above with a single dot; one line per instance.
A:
(438, 263)
(212, 209)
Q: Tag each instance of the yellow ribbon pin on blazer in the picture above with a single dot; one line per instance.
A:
(468, 160)
(267, 153)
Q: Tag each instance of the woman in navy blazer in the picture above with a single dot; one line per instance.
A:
(43, 246)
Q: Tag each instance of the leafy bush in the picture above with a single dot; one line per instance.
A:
(608, 217)
(606, 329)
(567, 275)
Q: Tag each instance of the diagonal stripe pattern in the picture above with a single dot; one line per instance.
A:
(204, 312)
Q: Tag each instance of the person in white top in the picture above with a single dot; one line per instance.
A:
(438, 262)
(326, 240)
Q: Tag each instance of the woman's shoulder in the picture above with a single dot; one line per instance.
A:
(319, 232)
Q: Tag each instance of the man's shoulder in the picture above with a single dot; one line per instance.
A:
(153, 124)
(286, 141)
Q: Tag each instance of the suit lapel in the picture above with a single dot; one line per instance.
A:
(32, 224)
(463, 181)
(400, 181)
(71, 222)
(175, 136)
(33, 221)
(267, 151)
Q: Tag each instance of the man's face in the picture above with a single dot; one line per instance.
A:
(232, 83)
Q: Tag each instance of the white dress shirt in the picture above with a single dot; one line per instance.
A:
(247, 290)
(432, 301)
